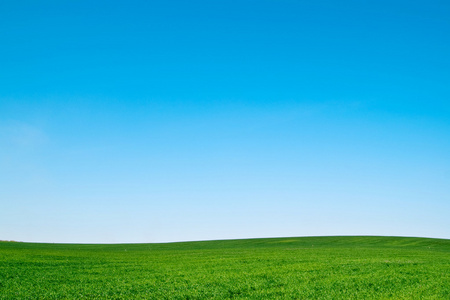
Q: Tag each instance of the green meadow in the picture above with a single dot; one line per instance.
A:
(275, 268)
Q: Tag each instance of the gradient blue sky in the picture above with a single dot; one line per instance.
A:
(154, 121)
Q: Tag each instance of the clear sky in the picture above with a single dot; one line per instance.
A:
(154, 121)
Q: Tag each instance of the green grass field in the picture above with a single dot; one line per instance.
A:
(278, 268)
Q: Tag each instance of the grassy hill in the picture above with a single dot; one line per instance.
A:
(281, 268)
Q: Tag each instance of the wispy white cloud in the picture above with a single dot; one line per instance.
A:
(24, 135)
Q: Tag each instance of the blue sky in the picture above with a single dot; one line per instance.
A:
(155, 121)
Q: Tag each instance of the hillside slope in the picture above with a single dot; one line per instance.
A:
(348, 267)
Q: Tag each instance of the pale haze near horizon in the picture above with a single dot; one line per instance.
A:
(172, 121)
